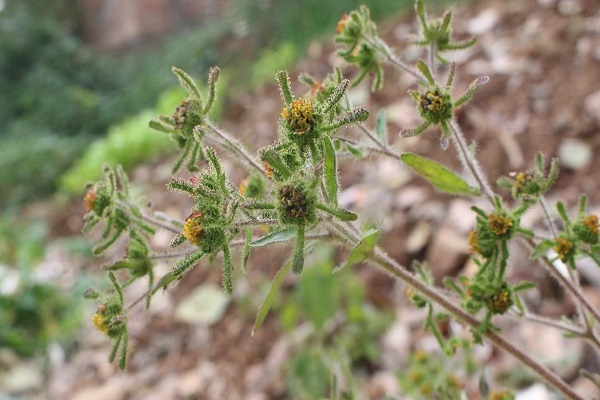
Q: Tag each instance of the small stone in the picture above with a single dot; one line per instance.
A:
(591, 104)
(402, 113)
(447, 252)
(418, 238)
(570, 7)
(574, 154)
(534, 392)
(206, 304)
(21, 378)
(115, 388)
(484, 21)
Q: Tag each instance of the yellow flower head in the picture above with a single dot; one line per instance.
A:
(342, 24)
(591, 221)
(500, 302)
(192, 229)
(100, 321)
(243, 186)
(563, 247)
(473, 242)
(89, 199)
(499, 224)
(268, 169)
(299, 116)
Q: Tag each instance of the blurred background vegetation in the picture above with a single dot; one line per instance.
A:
(66, 108)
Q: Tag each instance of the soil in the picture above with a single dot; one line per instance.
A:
(543, 60)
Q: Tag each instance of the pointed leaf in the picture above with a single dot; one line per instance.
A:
(161, 126)
(438, 175)
(542, 248)
(346, 215)
(421, 66)
(298, 257)
(275, 237)
(362, 250)
(356, 151)
(246, 250)
(276, 162)
(266, 304)
(331, 178)
(381, 127)
(187, 83)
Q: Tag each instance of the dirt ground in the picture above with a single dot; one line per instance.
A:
(543, 59)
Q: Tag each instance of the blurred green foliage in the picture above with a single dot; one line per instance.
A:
(36, 314)
(127, 143)
(346, 327)
(272, 22)
(57, 94)
(33, 312)
(270, 61)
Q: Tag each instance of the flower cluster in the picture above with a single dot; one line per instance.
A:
(579, 237)
(436, 105)
(529, 186)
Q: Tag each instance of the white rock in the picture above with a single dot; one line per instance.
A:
(20, 378)
(206, 305)
(574, 154)
(591, 104)
(535, 392)
(484, 22)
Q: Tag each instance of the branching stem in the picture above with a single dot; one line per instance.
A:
(381, 259)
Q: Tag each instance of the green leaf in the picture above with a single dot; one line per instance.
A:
(246, 250)
(542, 248)
(438, 175)
(298, 257)
(346, 215)
(161, 127)
(356, 151)
(276, 162)
(266, 304)
(525, 285)
(421, 66)
(187, 83)
(319, 294)
(275, 237)
(381, 127)
(331, 178)
(123, 358)
(362, 250)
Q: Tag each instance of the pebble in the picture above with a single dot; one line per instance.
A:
(534, 392)
(447, 251)
(205, 305)
(484, 22)
(574, 154)
(591, 104)
(21, 378)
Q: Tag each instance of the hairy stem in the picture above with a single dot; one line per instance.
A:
(235, 146)
(384, 261)
(547, 216)
(570, 286)
(470, 162)
(160, 224)
(381, 259)
(392, 58)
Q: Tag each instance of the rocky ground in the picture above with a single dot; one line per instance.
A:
(543, 58)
